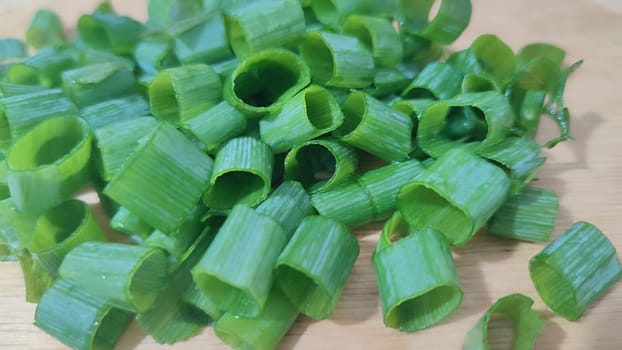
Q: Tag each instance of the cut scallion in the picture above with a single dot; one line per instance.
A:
(45, 30)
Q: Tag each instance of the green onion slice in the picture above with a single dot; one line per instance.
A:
(216, 125)
(451, 20)
(287, 205)
(348, 204)
(96, 83)
(10, 89)
(388, 82)
(334, 12)
(436, 81)
(574, 269)
(114, 111)
(202, 39)
(155, 54)
(127, 222)
(556, 109)
(11, 48)
(42, 69)
(110, 32)
(45, 30)
(379, 36)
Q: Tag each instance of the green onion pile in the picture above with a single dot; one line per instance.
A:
(223, 139)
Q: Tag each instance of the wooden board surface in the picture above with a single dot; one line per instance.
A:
(585, 172)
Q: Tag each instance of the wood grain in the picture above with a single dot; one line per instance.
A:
(585, 172)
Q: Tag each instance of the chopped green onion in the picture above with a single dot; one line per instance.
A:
(473, 82)
(202, 39)
(530, 106)
(11, 48)
(216, 125)
(45, 30)
(450, 21)
(387, 82)
(333, 12)
(89, 56)
(416, 277)
(242, 174)
(575, 269)
(96, 83)
(9, 90)
(153, 55)
(379, 36)
(315, 265)
(127, 222)
(49, 163)
(542, 50)
(115, 111)
(456, 195)
(348, 204)
(110, 32)
(287, 205)
(527, 324)
(225, 68)
(436, 81)
(42, 69)
(555, 106)
(37, 279)
(311, 113)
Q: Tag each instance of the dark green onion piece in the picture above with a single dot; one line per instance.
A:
(542, 50)
(287, 205)
(127, 222)
(248, 30)
(529, 215)
(526, 323)
(348, 204)
(110, 32)
(575, 269)
(11, 48)
(263, 332)
(202, 39)
(321, 165)
(455, 196)
(49, 164)
(315, 265)
(416, 277)
(166, 165)
(89, 85)
(450, 21)
(61, 229)
(154, 55)
(436, 81)
(216, 125)
(45, 30)
(387, 82)
(334, 12)
(379, 36)
(375, 128)
(472, 120)
(115, 111)
(9, 89)
(80, 320)
(236, 270)
(414, 109)
(242, 174)
(530, 106)
(311, 113)
(42, 69)
(338, 60)
(556, 109)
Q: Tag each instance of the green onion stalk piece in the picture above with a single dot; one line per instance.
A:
(115, 111)
(374, 127)
(22, 113)
(321, 165)
(201, 39)
(166, 165)
(490, 58)
(48, 164)
(128, 223)
(436, 81)
(529, 215)
(338, 60)
(472, 120)
(556, 109)
(117, 142)
(315, 265)
(333, 13)
(10, 89)
(379, 36)
(88, 56)
(128, 276)
(450, 21)
(539, 66)
(181, 93)
(473, 82)
(311, 113)
(43, 69)
(265, 81)
(11, 49)
(45, 30)
(96, 83)
(287, 205)
(4, 179)
(388, 82)
(110, 32)
(261, 25)
(414, 109)
(528, 107)
(155, 54)
(455, 196)
(574, 270)
(226, 67)
(263, 332)
(526, 323)
(242, 174)
(419, 51)
(61, 229)
(37, 279)
(370, 197)
(216, 125)
(80, 320)
(416, 277)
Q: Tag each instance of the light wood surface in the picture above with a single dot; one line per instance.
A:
(585, 172)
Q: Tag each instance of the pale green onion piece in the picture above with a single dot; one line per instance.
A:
(265, 81)
(166, 165)
(80, 320)
(42, 69)
(181, 93)
(236, 270)
(248, 30)
(334, 12)
(515, 308)
(154, 55)
(216, 125)
(455, 196)
(37, 279)
(529, 215)
(321, 165)
(242, 174)
(110, 32)
(315, 265)
(375, 128)
(11, 48)
(338, 60)
(436, 81)
(127, 222)
(49, 164)
(416, 277)
(263, 332)
(379, 36)
(88, 56)
(89, 85)
(202, 39)
(450, 21)
(575, 269)
(196, 298)
(474, 82)
(115, 111)
(472, 120)
(45, 30)
(287, 205)
(9, 89)
(348, 204)
(311, 113)
(61, 229)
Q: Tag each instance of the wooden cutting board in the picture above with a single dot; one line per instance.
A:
(585, 172)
